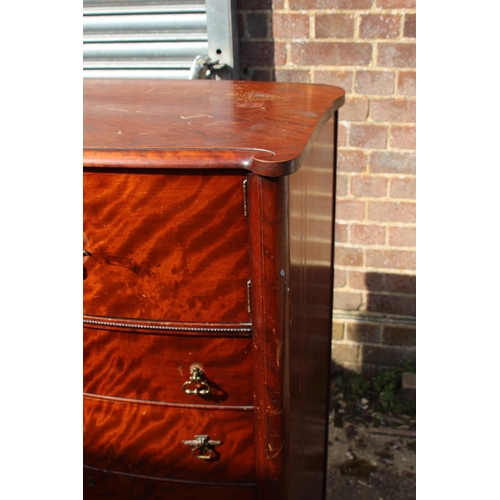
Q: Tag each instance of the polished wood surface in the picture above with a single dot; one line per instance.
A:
(311, 224)
(208, 221)
(269, 249)
(169, 247)
(291, 228)
(264, 127)
(147, 439)
(155, 367)
(105, 486)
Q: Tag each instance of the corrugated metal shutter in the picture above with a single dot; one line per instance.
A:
(156, 38)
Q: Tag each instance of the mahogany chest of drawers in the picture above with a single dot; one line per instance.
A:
(208, 230)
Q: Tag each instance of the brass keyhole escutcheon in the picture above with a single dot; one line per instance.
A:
(203, 447)
(196, 383)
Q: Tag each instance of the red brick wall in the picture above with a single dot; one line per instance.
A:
(366, 47)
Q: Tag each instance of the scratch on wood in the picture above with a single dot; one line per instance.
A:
(117, 109)
(194, 116)
(278, 451)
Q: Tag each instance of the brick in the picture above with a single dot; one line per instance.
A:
(403, 188)
(257, 25)
(341, 79)
(292, 75)
(400, 283)
(348, 256)
(392, 211)
(391, 259)
(391, 162)
(355, 109)
(340, 233)
(367, 234)
(383, 26)
(290, 26)
(331, 53)
(347, 301)
(342, 185)
(242, 30)
(409, 387)
(262, 53)
(354, 368)
(351, 161)
(410, 26)
(395, 4)
(396, 55)
(403, 137)
(256, 75)
(368, 186)
(407, 83)
(382, 282)
(386, 355)
(393, 110)
(350, 210)
(374, 82)
(399, 335)
(330, 4)
(360, 280)
(334, 26)
(257, 4)
(363, 332)
(338, 331)
(368, 136)
(391, 304)
(343, 352)
(342, 135)
(402, 237)
(340, 278)
(261, 75)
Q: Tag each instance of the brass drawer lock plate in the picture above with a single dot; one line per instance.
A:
(203, 448)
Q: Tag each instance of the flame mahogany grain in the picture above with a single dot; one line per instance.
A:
(155, 367)
(104, 486)
(165, 285)
(146, 440)
(263, 127)
(165, 246)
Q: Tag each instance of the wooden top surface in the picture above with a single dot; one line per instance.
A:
(265, 127)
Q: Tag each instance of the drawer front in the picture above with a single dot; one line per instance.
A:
(166, 367)
(165, 246)
(102, 486)
(147, 440)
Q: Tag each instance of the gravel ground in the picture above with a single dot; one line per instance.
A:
(366, 463)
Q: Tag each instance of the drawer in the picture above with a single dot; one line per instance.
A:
(165, 246)
(147, 440)
(102, 486)
(159, 367)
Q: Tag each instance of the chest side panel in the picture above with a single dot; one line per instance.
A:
(165, 246)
